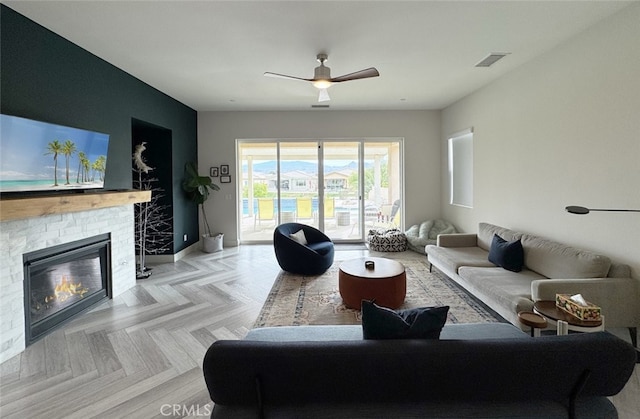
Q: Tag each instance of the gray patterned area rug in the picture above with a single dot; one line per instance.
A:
(301, 300)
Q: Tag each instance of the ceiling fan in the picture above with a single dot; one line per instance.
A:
(322, 77)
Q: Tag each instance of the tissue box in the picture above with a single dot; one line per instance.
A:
(590, 312)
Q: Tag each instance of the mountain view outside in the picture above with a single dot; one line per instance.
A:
(282, 182)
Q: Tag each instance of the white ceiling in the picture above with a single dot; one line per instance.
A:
(211, 55)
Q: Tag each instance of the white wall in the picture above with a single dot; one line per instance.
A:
(217, 132)
(561, 130)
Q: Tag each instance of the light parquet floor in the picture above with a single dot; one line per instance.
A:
(140, 354)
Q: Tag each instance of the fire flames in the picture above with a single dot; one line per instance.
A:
(65, 289)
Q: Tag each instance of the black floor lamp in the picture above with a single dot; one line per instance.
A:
(573, 209)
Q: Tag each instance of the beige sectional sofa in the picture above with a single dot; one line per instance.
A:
(549, 268)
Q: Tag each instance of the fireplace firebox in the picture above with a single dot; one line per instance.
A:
(63, 281)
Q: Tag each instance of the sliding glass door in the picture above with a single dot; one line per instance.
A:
(298, 171)
(342, 187)
(382, 184)
(342, 190)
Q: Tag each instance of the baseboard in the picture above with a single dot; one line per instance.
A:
(158, 259)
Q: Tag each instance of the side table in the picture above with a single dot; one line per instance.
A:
(565, 321)
(534, 320)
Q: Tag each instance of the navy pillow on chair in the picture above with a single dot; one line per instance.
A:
(415, 323)
(509, 255)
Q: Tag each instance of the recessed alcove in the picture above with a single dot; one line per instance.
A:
(158, 156)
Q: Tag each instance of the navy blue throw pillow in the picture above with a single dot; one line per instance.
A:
(508, 255)
(415, 323)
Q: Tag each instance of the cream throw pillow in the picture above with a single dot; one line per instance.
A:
(299, 237)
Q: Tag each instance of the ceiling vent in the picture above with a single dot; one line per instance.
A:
(320, 106)
(492, 58)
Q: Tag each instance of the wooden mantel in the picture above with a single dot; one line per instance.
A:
(37, 206)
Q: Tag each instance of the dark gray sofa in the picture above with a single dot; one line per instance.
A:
(474, 370)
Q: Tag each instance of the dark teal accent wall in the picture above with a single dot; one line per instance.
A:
(47, 78)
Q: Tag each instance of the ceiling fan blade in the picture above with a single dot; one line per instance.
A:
(323, 95)
(284, 76)
(362, 74)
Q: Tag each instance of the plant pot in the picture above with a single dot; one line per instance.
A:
(211, 244)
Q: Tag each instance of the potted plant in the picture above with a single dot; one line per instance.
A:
(198, 189)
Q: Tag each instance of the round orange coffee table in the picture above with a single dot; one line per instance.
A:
(386, 283)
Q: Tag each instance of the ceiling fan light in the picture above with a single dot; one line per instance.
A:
(323, 95)
(321, 84)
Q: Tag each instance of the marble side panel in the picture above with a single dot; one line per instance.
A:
(18, 237)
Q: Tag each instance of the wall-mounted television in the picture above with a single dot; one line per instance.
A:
(42, 157)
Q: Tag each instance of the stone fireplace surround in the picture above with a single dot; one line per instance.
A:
(19, 236)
